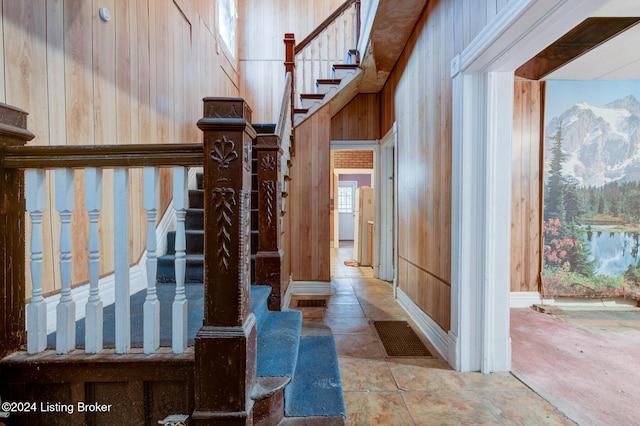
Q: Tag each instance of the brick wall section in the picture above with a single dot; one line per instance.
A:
(353, 159)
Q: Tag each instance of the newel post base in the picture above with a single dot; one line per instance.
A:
(13, 133)
(225, 349)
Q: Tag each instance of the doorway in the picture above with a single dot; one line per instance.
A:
(346, 210)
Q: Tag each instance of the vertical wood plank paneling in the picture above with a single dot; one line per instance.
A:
(418, 96)
(358, 120)
(310, 199)
(526, 186)
(108, 83)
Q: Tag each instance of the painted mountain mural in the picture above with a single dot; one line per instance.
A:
(592, 201)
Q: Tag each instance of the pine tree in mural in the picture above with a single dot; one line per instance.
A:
(554, 191)
(563, 241)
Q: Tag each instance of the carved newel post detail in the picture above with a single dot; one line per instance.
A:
(270, 254)
(13, 132)
(225, 347)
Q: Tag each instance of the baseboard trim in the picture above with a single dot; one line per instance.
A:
(287, 296)
(310, 288)
(524, 299)
(574, 302)
(436, 335)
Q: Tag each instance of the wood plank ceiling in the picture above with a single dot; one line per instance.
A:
(588, 35)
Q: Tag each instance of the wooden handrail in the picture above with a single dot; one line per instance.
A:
(78, 156)
(326, 23)
(284, 108)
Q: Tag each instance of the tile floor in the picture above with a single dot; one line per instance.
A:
(380, 390)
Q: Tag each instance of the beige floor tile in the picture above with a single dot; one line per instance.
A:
(424, 374)
(340, 325)
(523, 408)
(493, 382)
(359, 345)
(376, 408)
(344, 311)
(359, 374)
(448, 408)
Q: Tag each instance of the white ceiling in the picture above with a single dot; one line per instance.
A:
(617, 59)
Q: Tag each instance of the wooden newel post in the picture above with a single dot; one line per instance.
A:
(13, 132)
(269, 255)
(225, 347)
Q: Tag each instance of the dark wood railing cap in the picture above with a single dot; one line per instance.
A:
(13, 123)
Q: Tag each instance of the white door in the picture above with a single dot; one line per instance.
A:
(346, 209)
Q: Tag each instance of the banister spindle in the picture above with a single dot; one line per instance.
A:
(151, 303)
(36, 201)
(180, 303)
(66, 309)
(121, 256)
(94, 313)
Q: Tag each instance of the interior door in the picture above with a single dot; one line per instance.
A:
(346, 209)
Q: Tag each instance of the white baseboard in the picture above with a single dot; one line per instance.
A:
(574, 302)
(287, 296)
(310, 288)
(436, 335)
(524, 299)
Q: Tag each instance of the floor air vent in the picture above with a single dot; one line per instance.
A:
(399, 339)
(312, 303)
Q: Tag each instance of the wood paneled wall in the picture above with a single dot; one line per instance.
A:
(526, 196)
(418, 95)
(309, 200)
(358, 120)
(139, 78)
(263, 25)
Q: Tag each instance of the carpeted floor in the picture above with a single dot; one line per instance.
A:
(590, 375)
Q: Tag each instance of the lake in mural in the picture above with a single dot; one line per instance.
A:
(591, 227)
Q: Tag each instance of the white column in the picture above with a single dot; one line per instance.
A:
(180, 303)
(66, 309)
(151, 303)
(121, 256)
(481, 206)
(497, 183)
(36, 194)
(94, 314)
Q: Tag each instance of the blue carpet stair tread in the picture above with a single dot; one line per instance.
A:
(278, 342)
(259, 296)
(316, 388)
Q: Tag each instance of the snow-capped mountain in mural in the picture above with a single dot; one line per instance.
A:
(601, 144)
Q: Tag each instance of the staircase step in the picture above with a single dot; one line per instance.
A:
(194, 239)
(309, 100)
(194, 273)
(278, 343)
(259, 296)
(343, 70)
(353, 57)
(196, 198)
(316, 388)
(325, 85)
(194, 219)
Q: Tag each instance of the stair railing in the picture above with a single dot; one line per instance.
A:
(25, 167)
(330, 43)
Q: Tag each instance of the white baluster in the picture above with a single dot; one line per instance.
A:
(345, 47)
(353, 29)
(328, 74)
(121, 256)
(36, 191)
(320, 45)
(66, 309)
(313, 63)
(180, 303)
(94, 313)
(336, 31)
(151, 303)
